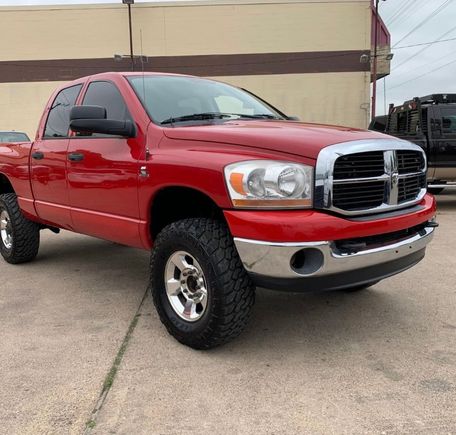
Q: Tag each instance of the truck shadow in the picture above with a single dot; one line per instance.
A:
(290, 322)
(91, 261)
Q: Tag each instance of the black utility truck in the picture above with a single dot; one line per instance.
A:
(431, 123)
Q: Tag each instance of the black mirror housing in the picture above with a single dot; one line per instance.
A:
(104, 126)
(87, 112)
(293, 118)
(92, 119)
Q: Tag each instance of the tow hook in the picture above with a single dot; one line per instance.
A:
(432, 223)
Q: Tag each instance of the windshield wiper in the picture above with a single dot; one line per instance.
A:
(216, 115)
(196, 117)
(259, 116)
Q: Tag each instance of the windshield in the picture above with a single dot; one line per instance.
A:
(12, 136)
(170, 99)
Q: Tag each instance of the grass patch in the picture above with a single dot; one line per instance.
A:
(91, 424)
(109, 379)
(107, 384)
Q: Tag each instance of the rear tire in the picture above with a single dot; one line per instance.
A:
(201, 291)
(19, 237)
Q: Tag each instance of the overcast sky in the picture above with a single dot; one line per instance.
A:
(422, 74)
(416, 71)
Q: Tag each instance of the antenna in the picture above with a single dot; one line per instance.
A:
(142, 66)
(143, 85)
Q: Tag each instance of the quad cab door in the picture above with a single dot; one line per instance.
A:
(49, 161)
(103, 173)
(443, 131)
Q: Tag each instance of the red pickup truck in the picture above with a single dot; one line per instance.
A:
(226, 191)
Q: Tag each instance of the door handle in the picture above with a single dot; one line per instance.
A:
(37, 155)
(75, 157)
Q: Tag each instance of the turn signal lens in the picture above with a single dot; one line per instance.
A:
(237, 183)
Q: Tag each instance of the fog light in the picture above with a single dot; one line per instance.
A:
(307, 261)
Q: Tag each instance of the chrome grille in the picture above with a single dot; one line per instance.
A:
(352, 196)
(410, 187)
(365, 177)
(360, 165)
(410, 161)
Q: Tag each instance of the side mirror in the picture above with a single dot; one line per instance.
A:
(293, 118)
(92, 119)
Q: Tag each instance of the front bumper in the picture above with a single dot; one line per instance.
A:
(314, 225)
(323, 266)
(269, 243)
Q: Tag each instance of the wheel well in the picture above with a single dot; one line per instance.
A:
(5, 185)
(175, 203)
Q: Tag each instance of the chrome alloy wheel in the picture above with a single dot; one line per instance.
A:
(186, 286)
(6, 230)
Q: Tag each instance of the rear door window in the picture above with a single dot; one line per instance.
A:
(58, 121)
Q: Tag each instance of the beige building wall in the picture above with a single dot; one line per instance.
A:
(22, 104)
(205, 27)
(330, 98)
(214, 28)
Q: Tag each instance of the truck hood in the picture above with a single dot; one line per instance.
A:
(297, 138)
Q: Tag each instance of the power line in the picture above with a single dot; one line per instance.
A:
(425, 74)
(423, 22)
(408, 15)
(400, 12)
(424, 48)
(425, 43)
(388, 20)
(397, 13)
(405, 17)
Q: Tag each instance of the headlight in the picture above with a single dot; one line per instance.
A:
(270, 184)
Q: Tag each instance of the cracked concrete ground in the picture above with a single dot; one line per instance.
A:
(381, 361)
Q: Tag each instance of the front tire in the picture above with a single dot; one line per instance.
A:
(201, 291)
(358, 288)
(19, 237)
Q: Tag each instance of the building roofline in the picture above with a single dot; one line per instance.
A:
(168, 3)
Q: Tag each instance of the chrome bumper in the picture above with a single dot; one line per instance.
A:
(320, 259)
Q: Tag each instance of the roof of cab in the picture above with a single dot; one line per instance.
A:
(112, 74)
